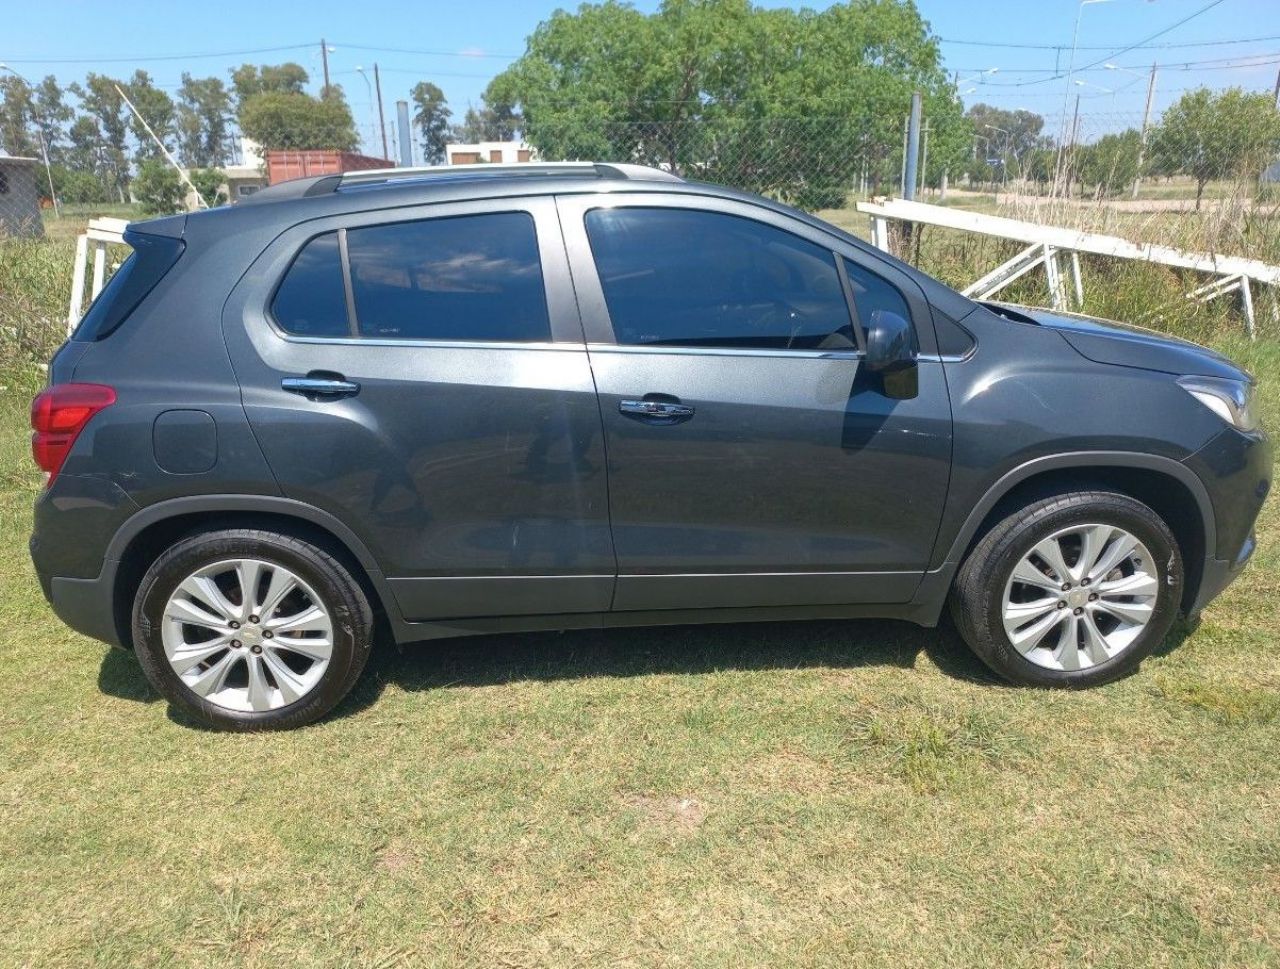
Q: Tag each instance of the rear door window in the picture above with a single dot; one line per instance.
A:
(311, 300)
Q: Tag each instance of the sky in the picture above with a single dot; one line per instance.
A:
(460, 46)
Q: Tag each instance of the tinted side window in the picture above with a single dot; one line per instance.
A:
(871, 293)
(311, 300)
(682, 277)
(475, 277)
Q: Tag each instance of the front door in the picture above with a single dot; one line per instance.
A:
(421, 375)
(752, 460)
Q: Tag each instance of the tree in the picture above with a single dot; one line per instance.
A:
(1111, 163)
(106, 110)
(298, 121)
(204, 106)
(159, 188)
(17, 136)
(1014, 134)
(489, 122)
(790, 103)
(1207, 135)
(156, 109)
(248, 80)
(208, 182)
(432, 120)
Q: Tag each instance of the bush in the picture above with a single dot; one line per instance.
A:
(159, 188)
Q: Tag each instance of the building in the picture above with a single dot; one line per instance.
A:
(20, 197)
(283, 164)
(493, 152)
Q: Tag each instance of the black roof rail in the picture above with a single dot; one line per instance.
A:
(328, 184)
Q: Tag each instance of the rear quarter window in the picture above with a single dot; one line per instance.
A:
(151, 259)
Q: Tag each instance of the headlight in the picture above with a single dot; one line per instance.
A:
(1232, 400)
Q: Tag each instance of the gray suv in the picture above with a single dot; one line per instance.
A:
(444, 402)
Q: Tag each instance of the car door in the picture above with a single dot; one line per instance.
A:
(421, 375)
(752, 459)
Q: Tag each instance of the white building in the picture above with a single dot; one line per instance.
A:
(492, 152)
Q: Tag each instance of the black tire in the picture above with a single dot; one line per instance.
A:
(977, 595)
(342, 596)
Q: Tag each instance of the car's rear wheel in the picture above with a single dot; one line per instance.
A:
(1070, 591)
(251, 630)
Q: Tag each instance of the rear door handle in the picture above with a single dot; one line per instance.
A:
(656, 411)
(320, 388)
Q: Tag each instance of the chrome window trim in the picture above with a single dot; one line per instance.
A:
(726, 351)
(436, 344)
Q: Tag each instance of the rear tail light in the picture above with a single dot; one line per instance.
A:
(58, 415)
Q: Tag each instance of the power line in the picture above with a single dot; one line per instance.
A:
(430, 53)
(1218, 63)
(1195, 43)
(152, 57)
(1114, 52)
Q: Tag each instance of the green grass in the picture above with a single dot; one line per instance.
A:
(834, 794)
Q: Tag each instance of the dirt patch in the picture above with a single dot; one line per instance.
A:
(683, 814)
(394, 858)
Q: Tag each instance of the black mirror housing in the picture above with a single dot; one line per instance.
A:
(893, 353)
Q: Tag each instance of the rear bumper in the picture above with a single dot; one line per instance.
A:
(87, 606)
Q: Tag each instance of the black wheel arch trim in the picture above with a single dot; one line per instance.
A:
(251, 504)
(1081, 461)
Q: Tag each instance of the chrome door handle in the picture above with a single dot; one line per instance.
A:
(656, 410)
(318, 387)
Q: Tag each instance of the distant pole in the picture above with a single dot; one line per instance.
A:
(324, 60)
(1146, 124)
(1278, 89)
(913, 148)
(902, 177)
(924, 162)
(1075, 131)
(382, 118)
(406, 146)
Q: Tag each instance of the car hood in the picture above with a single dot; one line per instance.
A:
(1125, 345)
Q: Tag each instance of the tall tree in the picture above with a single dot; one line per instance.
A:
(432, 120)
(1013, 135)
(17, 134)
(102, 102)
(791, 103)
(156, 108)
(204, 107)
(1208, 135)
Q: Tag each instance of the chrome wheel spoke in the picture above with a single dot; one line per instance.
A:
(1029, 638)
(1093, 541)
(1095, 644)
(1121, 548)
(1027, 573)
(1051, 552)
(256, 660)
(1133, 612)
(1018, 614)
(1140, 585)
(1068, 655)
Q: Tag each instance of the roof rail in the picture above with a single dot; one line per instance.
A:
(328, 184)
(588, 169)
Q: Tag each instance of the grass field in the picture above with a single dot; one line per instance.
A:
(834, 794)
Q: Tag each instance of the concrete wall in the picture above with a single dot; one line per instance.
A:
(20, 198)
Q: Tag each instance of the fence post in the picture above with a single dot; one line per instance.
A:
(77, 282)
(913, 149)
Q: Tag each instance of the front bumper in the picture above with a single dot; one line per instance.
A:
(1236, 469)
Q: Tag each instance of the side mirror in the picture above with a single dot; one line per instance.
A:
(892, 352)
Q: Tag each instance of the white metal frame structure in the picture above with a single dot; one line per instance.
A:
(1046, 243)
(101, 233)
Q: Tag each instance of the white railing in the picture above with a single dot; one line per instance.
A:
(100, 234)
(1046, 243)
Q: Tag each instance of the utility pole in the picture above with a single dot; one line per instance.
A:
(324, 60)
(382, 120)
(1278, 89)
(902, 178)
(913, 148)
(406, 145)
(1146, 124)
(1075, 130)
(924, 161)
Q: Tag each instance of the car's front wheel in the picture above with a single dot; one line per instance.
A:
(1070, 591)
(251, 630)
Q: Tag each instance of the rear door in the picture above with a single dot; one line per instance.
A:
(753, 461)
(421, 374)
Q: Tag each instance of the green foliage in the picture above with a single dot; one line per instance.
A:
(289, 119)
(100, 136)
(159, 188)
(432, 120)
(791, 103)
(16, 104)
(209, 182)
(79, 186)
(1111, 163)
(204, 107)
(1210, 135)
(248, 80)
(156, 109)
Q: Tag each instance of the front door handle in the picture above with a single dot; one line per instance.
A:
(656, 411)
(320, 388)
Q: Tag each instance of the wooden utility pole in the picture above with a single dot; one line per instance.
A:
(324, 60)
(382, 120)
(1146, 125)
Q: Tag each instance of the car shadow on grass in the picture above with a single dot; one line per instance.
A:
(494, 660)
